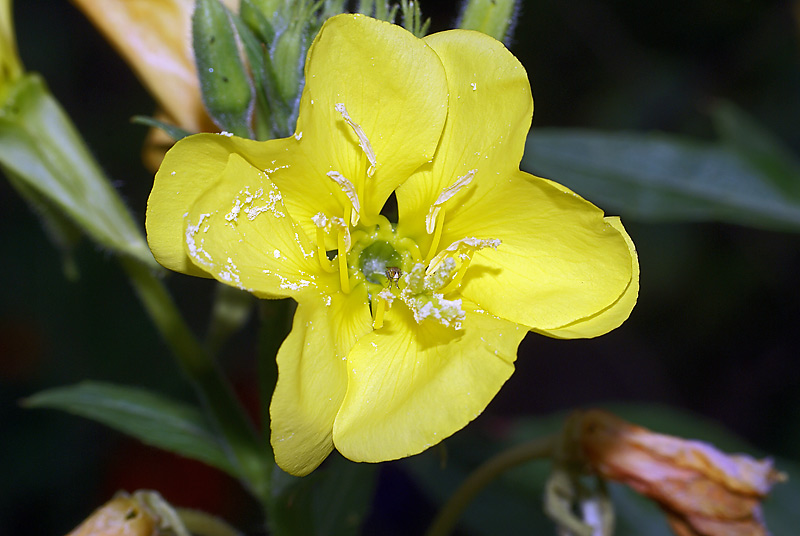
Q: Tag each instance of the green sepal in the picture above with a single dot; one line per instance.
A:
(492, 17)
(257, 21)
(226, 88)
(288, 56)
(40, 148)
(155, 420)
(271, 112)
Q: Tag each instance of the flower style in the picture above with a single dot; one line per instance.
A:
(703, 491)
(403, 331)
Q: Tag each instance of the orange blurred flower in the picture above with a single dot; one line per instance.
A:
(155, 38)
(703, 491)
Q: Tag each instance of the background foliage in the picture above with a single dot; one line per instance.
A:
(713, 334)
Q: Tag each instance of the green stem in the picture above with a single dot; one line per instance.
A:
(485, 474)
(254, 462)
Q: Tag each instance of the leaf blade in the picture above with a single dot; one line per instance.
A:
(153, 419)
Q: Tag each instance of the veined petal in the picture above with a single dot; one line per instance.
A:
(412, 385)
(490, 110)
(559, 260)
(391, 84)
(312, 377)
(612, 316)
(240, 232)
(197, 162)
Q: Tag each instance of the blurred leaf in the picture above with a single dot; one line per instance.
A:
(513, 504)
(63, 233)
(40, 147)
(765, 152)
(176, 133)
(153, 419)
(660, 178)
(332, 501)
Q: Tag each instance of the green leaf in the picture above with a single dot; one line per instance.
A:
(762, 150)
(332, 501)
(226, 87)
(63, 233)
(41, 148)
(660, 178)
(153, 419)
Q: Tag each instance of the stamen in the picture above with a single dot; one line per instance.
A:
(470, 244)
(447, 193)
(350, 191)
(343, 246)
(380, 304)
(412, 248)
(363, 141)
(437, 235)
(322, 224)
(462, 270)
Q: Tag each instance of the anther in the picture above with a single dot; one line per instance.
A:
(350, 191)
(322, 223)
(343, 246)
(363, 141)
(470, 244)
(447, 193)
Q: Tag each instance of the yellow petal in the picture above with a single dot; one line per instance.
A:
(490, 110)
(412, 385)
(559, 260)
(615, 314)
(312, 378)
(154, 37)
(392, 85)
(192, 166)
(240, 232)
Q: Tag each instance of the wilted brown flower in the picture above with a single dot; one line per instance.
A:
(703, 491)
(123, 515)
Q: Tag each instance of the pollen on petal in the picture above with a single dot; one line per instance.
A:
(363, 141)
(349, 190)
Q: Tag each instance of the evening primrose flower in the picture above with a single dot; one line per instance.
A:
(404, 331)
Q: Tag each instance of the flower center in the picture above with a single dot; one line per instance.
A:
(388, 265)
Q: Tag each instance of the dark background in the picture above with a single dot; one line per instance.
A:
(714, 331)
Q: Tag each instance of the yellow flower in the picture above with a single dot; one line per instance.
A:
(409, 330)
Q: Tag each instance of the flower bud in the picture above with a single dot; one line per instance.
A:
(226, 87)
(492, 17)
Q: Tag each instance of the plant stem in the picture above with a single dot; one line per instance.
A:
(252, 459)
(491, 469)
